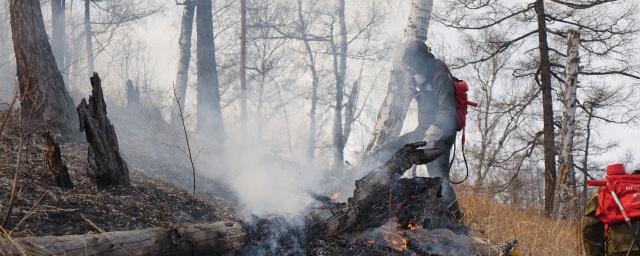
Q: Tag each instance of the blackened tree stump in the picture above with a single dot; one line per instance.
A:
(55, 164)
(106, 166)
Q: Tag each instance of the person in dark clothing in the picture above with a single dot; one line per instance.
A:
(434, 92)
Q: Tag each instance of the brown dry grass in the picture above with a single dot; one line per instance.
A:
(536, 234)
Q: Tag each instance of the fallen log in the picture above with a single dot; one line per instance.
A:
(218, 238)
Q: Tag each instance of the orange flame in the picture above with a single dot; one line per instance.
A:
(413, 227)
(399, 244)
(335, 196)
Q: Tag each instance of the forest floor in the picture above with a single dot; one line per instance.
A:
(41, 208)
(159, 195)
(536, 234)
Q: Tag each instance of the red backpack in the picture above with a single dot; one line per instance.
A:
(626, 187)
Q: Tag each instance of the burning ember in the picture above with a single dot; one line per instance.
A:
(335, 196)
(398, 242)
(413, 227)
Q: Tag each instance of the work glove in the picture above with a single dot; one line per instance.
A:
(410, 155)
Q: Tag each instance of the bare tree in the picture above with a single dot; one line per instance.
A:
(58, 37)
(340, 73)
(303, 27)
(566, 195)
(243, 66)
(396, 102)
(43, 95)
(184, 43)
(209, 112)
(545, 29)
(88, 34)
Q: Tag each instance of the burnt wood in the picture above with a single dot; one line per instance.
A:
(382, 196)
(55, 164)
(106, 166)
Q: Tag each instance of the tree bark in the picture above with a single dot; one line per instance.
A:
(55, 164)
(399, 95)
(88, 34)
(209, 112)
(547, 108)
(220, 238)
(566, 200)
(340, 72)
(58, 38)
(243, 67)
(350, 111)
(106, 166)
(315, 83)
(43, 95)
(184, 43)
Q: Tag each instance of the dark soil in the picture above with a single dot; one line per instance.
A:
(42, 208)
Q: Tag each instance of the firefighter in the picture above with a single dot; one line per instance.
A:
(437, 116)
(618, 240)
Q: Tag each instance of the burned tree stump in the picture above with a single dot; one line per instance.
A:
(55, 164)
(106, 166)
(382, 196)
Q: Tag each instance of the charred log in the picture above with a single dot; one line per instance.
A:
(55, 164)
(220, 238)
(106, 166)
(382, 196)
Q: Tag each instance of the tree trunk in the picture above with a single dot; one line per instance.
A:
(186, 30)
(58, 38)
(220, 238)
(340, 71)
(547, 108)
(106, 166)
(243, 67)
(350, 111)
(55, 164)
(394, 109)
(208, 105)
(43, 95)
(88, 34)
(566, 200)
(133, 95)
(315, 83)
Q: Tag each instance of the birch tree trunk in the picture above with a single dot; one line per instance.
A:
(547, 109)
(340, 72)
(243, 67)
(566, 178)
(184, 44)
(315, 83)
(43, 95)
(209, 112)
(394, 109)
(58, 37)
(88, 34)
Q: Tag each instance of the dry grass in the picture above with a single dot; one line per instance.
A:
(536, 234)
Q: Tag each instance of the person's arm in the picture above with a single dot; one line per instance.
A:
(592, 230)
